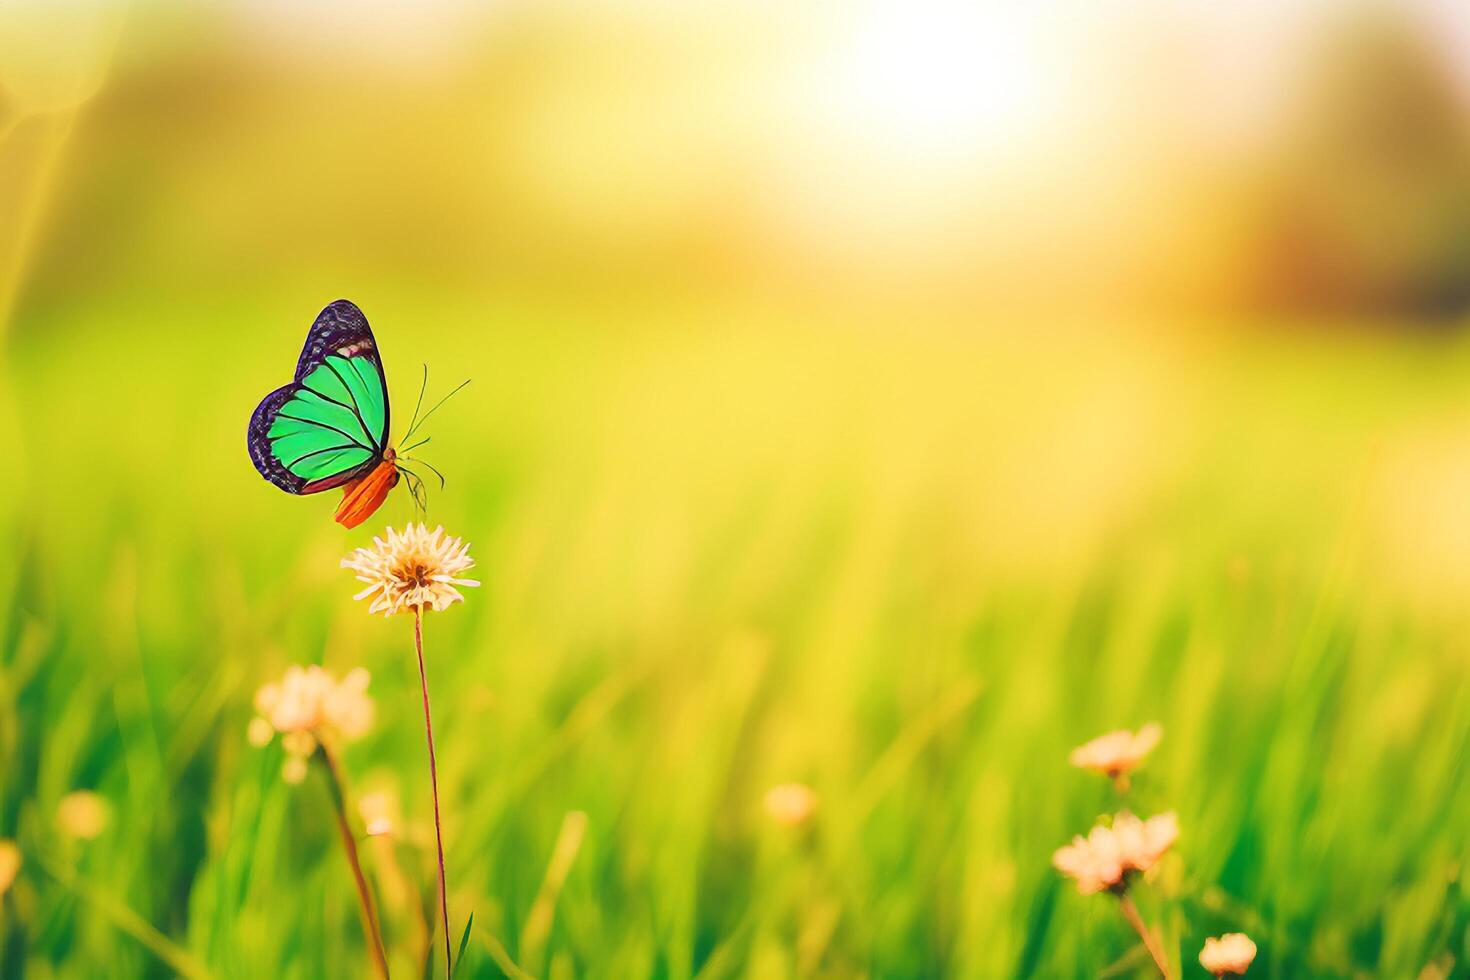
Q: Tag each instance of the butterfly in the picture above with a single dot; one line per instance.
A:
(329, 427)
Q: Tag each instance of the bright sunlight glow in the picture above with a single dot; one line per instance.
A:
(939, 80)
(908, 116)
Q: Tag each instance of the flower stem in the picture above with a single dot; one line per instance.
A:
(349, 846)
(1130, 912)
(418, 643)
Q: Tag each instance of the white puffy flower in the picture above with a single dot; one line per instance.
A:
(414, 568)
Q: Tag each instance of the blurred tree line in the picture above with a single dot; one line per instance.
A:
(1365, 208)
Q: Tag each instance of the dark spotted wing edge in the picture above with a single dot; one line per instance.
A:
(339, 326)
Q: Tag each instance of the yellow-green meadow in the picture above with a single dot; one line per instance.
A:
(798, 588)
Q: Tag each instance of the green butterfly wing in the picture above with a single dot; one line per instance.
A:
(330, 425)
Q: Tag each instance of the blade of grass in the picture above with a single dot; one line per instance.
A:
(537, 928)
(900, 754)
(464, 940)
(128, 921)
(502, 958)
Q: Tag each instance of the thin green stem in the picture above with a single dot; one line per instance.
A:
(1130, 912)
(418, 644)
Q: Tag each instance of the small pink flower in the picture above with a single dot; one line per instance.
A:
(1103, 859)
(1117, 753)
(9, 864)
(1093, 861)
(379, 813)
(1143, 842)
(790, 804)
(83, 814)
(307, 704)
(1231, 953)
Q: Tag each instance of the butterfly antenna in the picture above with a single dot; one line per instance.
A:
(420, 421)
(403, 453)
(413, 422)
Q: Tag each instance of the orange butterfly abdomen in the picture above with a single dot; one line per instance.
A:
(363, 496)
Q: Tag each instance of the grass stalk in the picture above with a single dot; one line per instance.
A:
(366, 908)
(402, 896)
(537, 928)
(180, 960)
(1130, 912)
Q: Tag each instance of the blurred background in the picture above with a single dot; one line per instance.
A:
(880, 396)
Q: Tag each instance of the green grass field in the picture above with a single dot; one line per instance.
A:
(908, 567)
